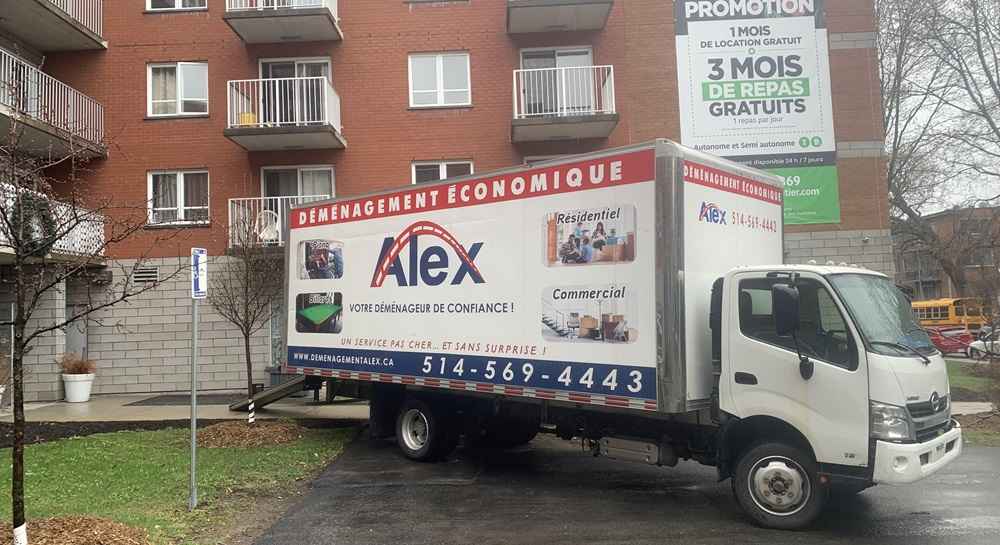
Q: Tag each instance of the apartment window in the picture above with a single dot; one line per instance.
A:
(176, 89)
(309, 181)
(164, 5)
(440, 170)
(439, 79)
(178, 197)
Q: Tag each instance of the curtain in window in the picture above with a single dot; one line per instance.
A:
(164, 197)
(164, 90)
(317, 182)
(196, 196)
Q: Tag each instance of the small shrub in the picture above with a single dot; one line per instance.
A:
(73, 364)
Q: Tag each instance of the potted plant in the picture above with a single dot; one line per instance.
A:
(78, 377)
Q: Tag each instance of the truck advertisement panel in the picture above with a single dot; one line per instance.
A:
(530, 283)
(754, 87)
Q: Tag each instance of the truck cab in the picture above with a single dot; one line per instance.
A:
(830, 361)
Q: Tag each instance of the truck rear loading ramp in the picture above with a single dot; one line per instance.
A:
(272, 394)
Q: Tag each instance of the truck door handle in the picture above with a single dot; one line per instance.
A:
(745, 378)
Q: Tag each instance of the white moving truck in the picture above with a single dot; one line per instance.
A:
(634, 298)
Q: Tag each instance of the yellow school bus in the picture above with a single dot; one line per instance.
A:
(968, 312)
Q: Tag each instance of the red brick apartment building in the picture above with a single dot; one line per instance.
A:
(213, 109)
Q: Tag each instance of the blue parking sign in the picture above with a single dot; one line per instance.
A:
(199, 273)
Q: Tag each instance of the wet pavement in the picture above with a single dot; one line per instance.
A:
(550, 493)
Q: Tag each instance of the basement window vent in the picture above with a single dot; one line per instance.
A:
(145, 275)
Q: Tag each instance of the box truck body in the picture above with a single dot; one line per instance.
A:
(507, 274)
(629, 297)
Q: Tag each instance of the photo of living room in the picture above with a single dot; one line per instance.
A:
(590, 236)
(321, 259)
(589, 314)
(319, 312)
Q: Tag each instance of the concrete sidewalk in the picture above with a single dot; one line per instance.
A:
(116, 408)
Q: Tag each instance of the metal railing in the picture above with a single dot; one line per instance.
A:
(260, 5)
(567, 91)
(80, 231)
(255, 103)
(261, 221)
(88, 12)
(44, 98)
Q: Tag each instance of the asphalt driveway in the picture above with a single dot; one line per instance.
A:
(551, 493)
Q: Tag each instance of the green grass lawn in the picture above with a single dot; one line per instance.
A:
(141, 478)
(982, 438)
(958, 376)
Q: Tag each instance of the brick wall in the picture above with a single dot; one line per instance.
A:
(144, 345)
(384, 136)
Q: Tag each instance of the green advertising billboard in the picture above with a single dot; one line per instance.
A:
(754, 87)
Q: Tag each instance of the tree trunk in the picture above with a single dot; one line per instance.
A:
(246, 353)
(17, 453)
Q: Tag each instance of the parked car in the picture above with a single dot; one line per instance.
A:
(986, 346)
(951, 340)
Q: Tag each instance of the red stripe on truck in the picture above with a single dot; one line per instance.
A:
(602, 172)
(697, 173)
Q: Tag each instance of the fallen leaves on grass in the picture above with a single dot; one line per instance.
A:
(988, 422)
(77, 531)
(241, 434)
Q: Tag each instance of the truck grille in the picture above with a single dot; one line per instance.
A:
(930, 433)
(924, 408)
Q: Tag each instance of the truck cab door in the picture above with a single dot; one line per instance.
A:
(761, 369)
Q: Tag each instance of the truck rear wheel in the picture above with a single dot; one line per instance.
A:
(425, 433)
(778, 486)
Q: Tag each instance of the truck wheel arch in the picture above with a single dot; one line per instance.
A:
(738, 434)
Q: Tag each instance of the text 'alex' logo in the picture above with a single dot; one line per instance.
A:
(711, 213)
(431, 265)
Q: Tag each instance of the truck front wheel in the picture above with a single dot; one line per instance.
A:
(778, 486)
(424, 432)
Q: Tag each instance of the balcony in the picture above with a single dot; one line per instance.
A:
(262, 221)
(524, 16)
(569, 103)
(284, 114)
(55, 25)
(85, 237)
(277, 21)
(56, 119)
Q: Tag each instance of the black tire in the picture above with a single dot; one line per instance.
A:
(425, 432)
(770, 473)
(975, 354)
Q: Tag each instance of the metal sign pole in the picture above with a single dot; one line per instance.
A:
(193, 499)
(199, 290)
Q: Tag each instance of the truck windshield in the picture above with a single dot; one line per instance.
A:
(883, 314)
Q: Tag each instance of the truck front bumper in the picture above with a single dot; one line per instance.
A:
(901, 463)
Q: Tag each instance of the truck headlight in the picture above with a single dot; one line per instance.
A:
(890, 423)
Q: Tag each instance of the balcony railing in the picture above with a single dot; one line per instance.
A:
(80, 231)
(261, 5)
(563, 92)
(261, 221)
(279, 102)
(44, 98)
(89, 13)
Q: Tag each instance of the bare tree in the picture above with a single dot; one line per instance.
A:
(966, 41)
(247, 286)
(53, 232)
(928, 102)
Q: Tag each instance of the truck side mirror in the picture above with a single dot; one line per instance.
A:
(785, 305)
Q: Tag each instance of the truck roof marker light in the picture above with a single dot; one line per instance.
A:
(830, 263)
(811, 262)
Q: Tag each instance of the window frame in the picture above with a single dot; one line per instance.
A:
(439, 66)
(850, 366)
(181, 188)
(180, 86)
(298, 177)
(178, 6)
(442, 169)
